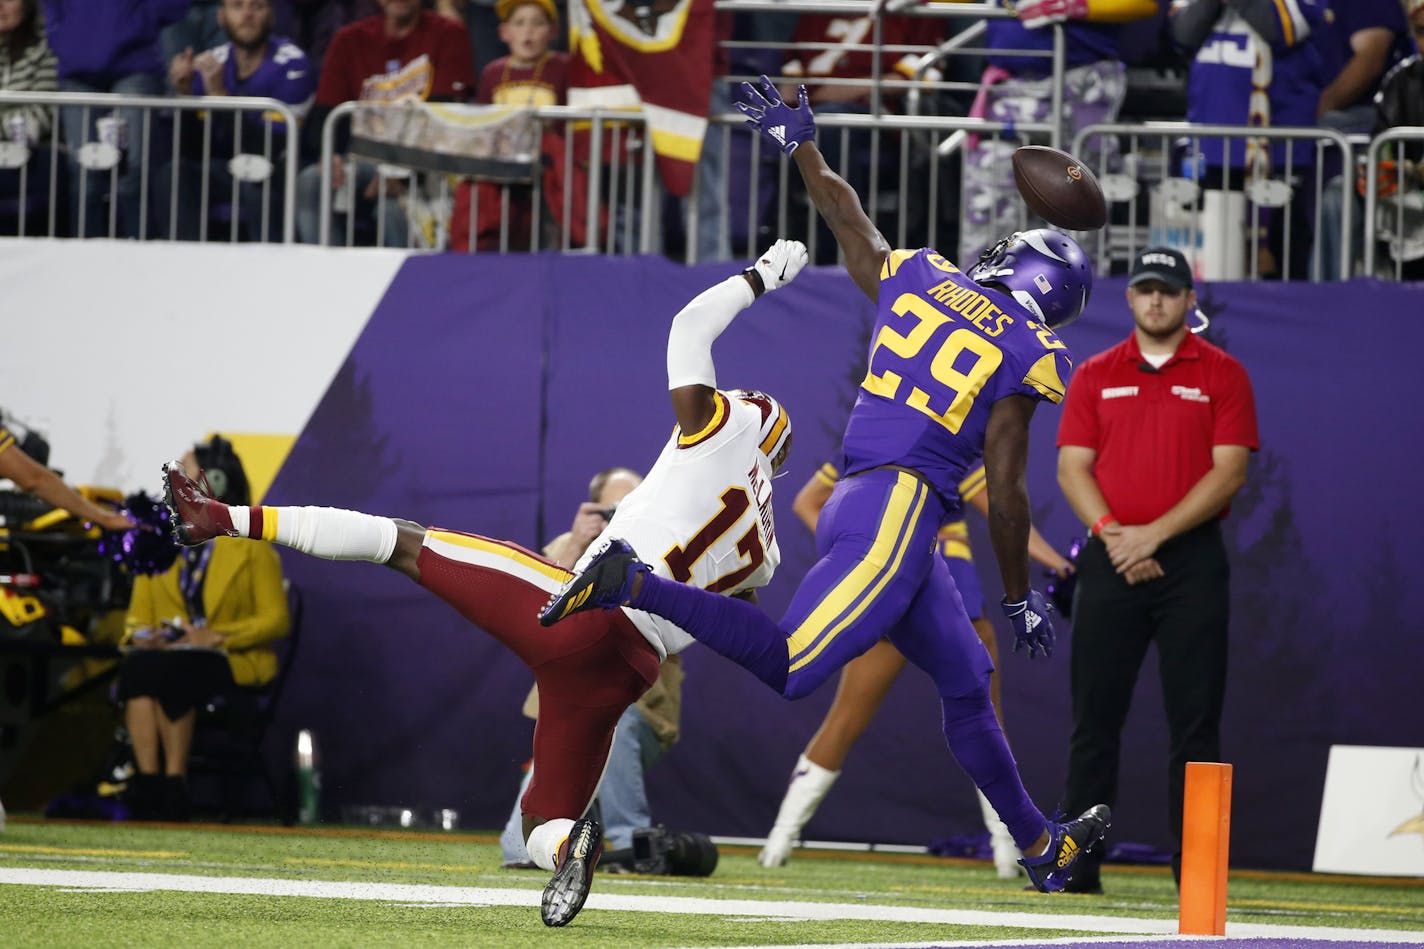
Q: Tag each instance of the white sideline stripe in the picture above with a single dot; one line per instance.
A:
(109, 880)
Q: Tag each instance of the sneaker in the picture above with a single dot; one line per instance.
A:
(607, 581)
(1050, 871)
(1006, 853)
(578, 855)
(196, 516)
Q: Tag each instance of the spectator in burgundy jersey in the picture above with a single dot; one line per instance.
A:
(531, 75)
(405, 52)
(252, 62)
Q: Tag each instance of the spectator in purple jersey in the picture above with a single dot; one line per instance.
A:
(1017, 87)
(1365, 39)
(108, 46)
(1255, 64)
(252, 62)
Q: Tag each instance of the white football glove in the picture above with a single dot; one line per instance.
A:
(781, 263)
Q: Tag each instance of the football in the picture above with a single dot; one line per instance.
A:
(1059, 188)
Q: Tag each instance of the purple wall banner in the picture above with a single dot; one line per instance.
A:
(484, 392)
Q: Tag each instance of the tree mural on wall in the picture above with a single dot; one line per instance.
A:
(342, 435)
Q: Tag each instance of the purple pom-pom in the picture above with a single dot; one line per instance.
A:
(147, 548)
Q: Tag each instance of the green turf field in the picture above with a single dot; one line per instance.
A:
(112, 885)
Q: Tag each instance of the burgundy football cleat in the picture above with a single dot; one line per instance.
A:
(196, 516)
(565, 894)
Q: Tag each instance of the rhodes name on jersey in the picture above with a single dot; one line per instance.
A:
(944, 349)
(702, 515)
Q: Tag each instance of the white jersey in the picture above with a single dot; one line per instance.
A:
(702, 515)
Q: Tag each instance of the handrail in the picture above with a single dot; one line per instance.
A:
(1192, 130)
(183, 104)
(1400, 133)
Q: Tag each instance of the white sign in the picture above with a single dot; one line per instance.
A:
(1372, 812)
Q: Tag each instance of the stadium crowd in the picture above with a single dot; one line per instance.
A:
(154, 173)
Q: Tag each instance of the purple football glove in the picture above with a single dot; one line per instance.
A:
(1032, 627)
(786, 125)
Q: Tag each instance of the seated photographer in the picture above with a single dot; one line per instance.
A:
(201, 629)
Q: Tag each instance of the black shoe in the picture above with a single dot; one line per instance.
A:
(606, 582)
(177, 805)
(144, 796)
(578, 855)
(1050, 871)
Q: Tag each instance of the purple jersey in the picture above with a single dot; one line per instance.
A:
(944, 350)
(284, 74)
(1237, 78)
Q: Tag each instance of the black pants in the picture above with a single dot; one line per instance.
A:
(1185, 613)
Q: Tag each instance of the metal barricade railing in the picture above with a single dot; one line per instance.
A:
(1211, 202)
(910, 215)
(619, 195)
(1403, 201)
(107, 153)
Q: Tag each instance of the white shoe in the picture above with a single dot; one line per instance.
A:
(777, 849)
(1006, 854)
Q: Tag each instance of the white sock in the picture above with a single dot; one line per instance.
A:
(545, 840)
(328, 532)
(809, 784)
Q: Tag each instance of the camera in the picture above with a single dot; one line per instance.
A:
(657, 851)
(607, 513)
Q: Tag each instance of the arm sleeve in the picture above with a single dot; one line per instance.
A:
(268, 620)
(454, 78)
(1282, 23)
(1079, 424)
(1234, 419)
(1192, 22)
(697, 326)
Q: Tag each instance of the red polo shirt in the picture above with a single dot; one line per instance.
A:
(1153, 431)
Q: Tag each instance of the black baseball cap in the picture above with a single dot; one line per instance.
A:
(1162, 263)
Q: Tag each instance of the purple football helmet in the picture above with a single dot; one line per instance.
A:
(1044, 270)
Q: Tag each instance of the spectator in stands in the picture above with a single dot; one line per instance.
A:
(204, 628)
(1366, 38)
(109, 46)
(1254, 66)
(316, 22)
(531, 75)
(403, 53)
(838, 68)
(26, 65)
(1017, 87)
(1401, 102)
(252, 62)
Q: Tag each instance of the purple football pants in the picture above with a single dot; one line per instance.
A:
(878, 576)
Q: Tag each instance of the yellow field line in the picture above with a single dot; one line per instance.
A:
(389, 865)
(91, 851)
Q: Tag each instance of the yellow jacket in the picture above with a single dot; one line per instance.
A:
(242, 595)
